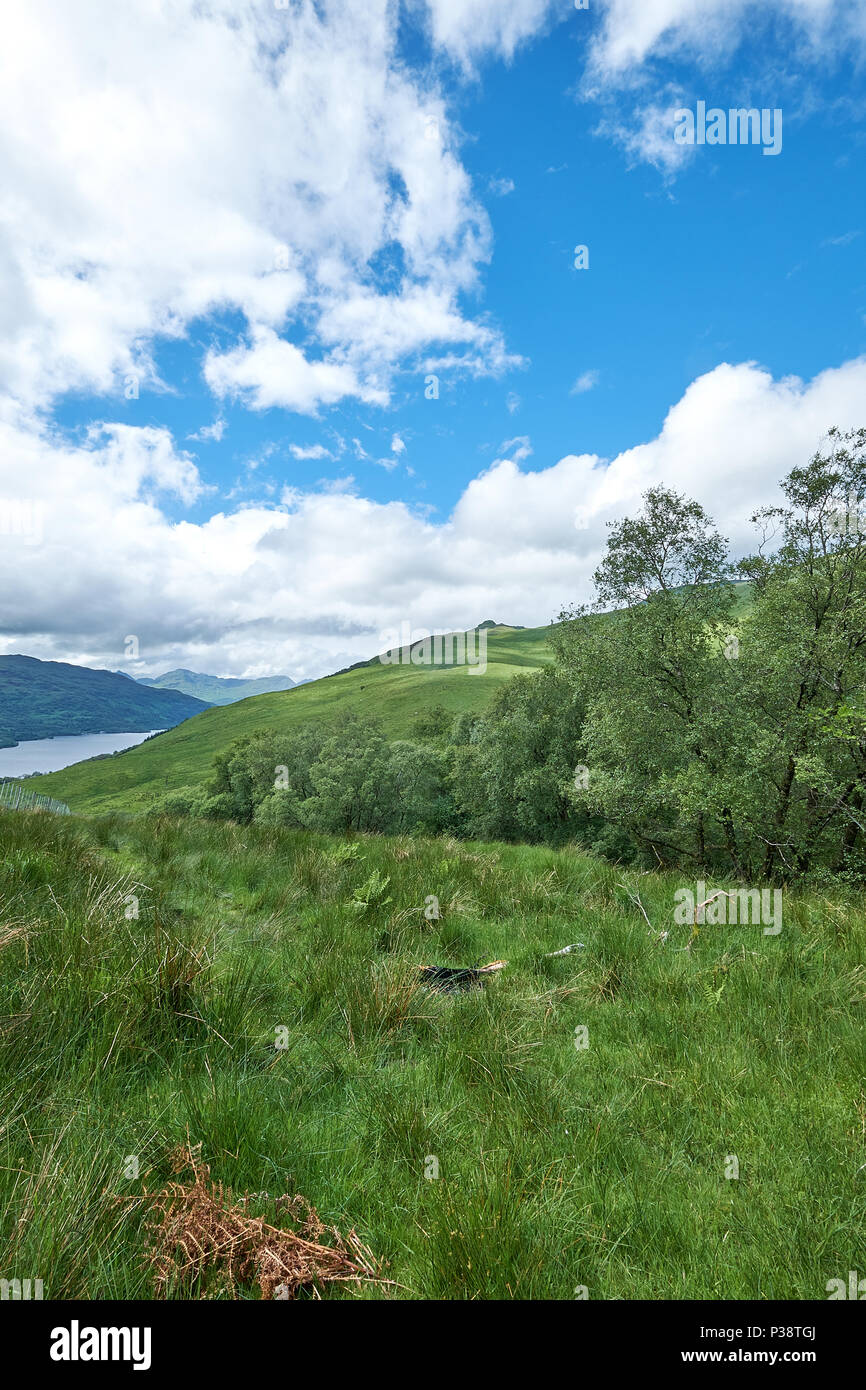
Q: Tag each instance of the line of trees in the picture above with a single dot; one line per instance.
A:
(706, 736)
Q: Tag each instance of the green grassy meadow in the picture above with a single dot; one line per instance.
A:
(182, 756)
(560, 1166)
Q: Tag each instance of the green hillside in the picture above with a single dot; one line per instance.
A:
(129, 781)
(51, 699)
(215, 690)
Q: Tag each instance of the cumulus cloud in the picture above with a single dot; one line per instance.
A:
(735, 432)
(310, 584)
(373, 329)
(634, 31)
(469, 29)
(293, 146)
(273, 372)
(257, 161)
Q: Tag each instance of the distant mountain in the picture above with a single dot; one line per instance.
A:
(48, 699)
(216, 690)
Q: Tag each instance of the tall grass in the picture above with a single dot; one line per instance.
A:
(124, 1035)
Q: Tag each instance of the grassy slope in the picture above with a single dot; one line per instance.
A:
(558, 1167)
(183, 755)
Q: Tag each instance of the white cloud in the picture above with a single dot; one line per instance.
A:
(378, 329)
(213, 432)
(518, 448)
(585, 382)
(132, 458)
(735, 432)
(501, 187)
(309, 585)
(646, 132)
(309, 451)
(628, 34)
(624, 70)
(186, 158)
(345, 484)
(629, 39)
(844, 240)
(468, 29)
(273, 372)
(634, 31)
(287, 167)
(398, 445)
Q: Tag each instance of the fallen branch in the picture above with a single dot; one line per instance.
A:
(722, 893)
(448, 979)
(635, 898)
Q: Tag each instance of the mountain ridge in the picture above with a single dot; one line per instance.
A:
(50, 699)
(215, 690)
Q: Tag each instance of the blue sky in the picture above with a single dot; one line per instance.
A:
(724, 307)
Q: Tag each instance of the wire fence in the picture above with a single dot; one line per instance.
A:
(14, 797)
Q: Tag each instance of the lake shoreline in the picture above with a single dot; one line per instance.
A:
(35, 757)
